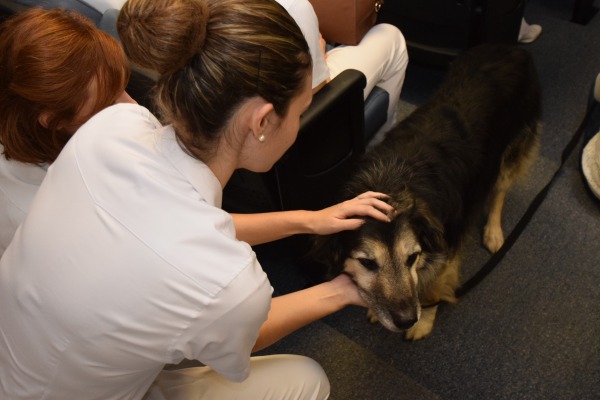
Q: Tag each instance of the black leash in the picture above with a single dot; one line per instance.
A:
(529, 213)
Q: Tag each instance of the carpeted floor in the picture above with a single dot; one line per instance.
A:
(531, 329)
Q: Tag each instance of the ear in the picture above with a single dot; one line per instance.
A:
(429, 229)
(262, 115)
(44, 118)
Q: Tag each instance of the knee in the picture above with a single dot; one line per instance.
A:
(393, 39)
(393, 34)
(291, 376)
(316, 380)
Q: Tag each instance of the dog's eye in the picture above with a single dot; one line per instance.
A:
(412, 258)
(369, 264)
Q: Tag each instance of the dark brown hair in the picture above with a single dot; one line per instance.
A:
(49, 60)
(211, 56)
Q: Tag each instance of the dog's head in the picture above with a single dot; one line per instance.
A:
(389, 261)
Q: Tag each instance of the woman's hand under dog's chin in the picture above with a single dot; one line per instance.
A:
(348, 290)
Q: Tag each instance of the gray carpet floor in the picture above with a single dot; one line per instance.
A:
(531, 329)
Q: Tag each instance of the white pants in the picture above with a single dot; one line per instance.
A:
(277, 377)
(382, 56)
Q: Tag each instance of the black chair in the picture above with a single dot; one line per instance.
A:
(437, 30)
(309, 175)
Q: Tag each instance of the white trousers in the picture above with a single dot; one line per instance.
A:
(276, 377)
(382, 56)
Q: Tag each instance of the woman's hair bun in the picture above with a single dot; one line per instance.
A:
(163, 35)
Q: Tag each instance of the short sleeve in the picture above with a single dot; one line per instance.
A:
(226, 331)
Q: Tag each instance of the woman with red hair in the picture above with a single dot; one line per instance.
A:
(57, 70)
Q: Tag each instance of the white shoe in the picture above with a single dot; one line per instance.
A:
(590, 164)
(528, 33)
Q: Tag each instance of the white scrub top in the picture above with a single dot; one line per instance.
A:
(19, 183)
(306, 19)
(103, 5)
(125, 262)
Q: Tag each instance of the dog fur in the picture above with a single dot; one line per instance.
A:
(445, 166)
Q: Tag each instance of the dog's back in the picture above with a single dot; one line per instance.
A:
(450, 150)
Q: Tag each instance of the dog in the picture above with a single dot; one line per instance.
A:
(445, 166)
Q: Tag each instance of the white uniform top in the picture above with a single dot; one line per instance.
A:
(125, 262)
(304, 15)
(19, 182)
(103, 5)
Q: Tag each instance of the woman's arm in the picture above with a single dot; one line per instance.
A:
(266, 227)
(292, 311)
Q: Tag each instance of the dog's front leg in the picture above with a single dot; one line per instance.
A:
(424, 325)
(442, 289)
(493, 238)
(372, 316)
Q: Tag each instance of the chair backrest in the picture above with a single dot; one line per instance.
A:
(311, 173)
(330, 142)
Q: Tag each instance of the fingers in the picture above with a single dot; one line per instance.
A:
(350, 290)
(369, 205)
(370, 194)
(349, 215)
(349, 224)
(377, 213)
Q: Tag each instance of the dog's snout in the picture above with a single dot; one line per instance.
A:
(405, 320)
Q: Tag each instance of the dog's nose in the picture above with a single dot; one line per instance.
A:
(405, 320)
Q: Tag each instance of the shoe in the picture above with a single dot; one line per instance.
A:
(590, 164)
(590, 153)
(528, 33)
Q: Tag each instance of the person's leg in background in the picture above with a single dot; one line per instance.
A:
(276, 377)
(528, 33)
(382, 56)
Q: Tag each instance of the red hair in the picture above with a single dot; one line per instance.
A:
(49, 60)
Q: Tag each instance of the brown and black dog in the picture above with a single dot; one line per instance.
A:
(448, 163)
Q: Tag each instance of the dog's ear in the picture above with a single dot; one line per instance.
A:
(429, 229)
(328, 252)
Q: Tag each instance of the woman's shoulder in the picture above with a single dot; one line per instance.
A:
(119, 130)
(123, 114)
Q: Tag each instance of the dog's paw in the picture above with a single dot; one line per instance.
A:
(419, 331)
(424, 325)
(493, 238)
(372, 317)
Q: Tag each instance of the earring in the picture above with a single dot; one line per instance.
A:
(261, 138)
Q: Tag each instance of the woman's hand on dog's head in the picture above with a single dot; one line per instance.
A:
(343, 216)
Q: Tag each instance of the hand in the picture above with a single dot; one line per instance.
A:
(340, 216)
(323, 44)
(349, 290)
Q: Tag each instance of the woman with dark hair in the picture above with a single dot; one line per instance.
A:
(126, 262)
(57, 71)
